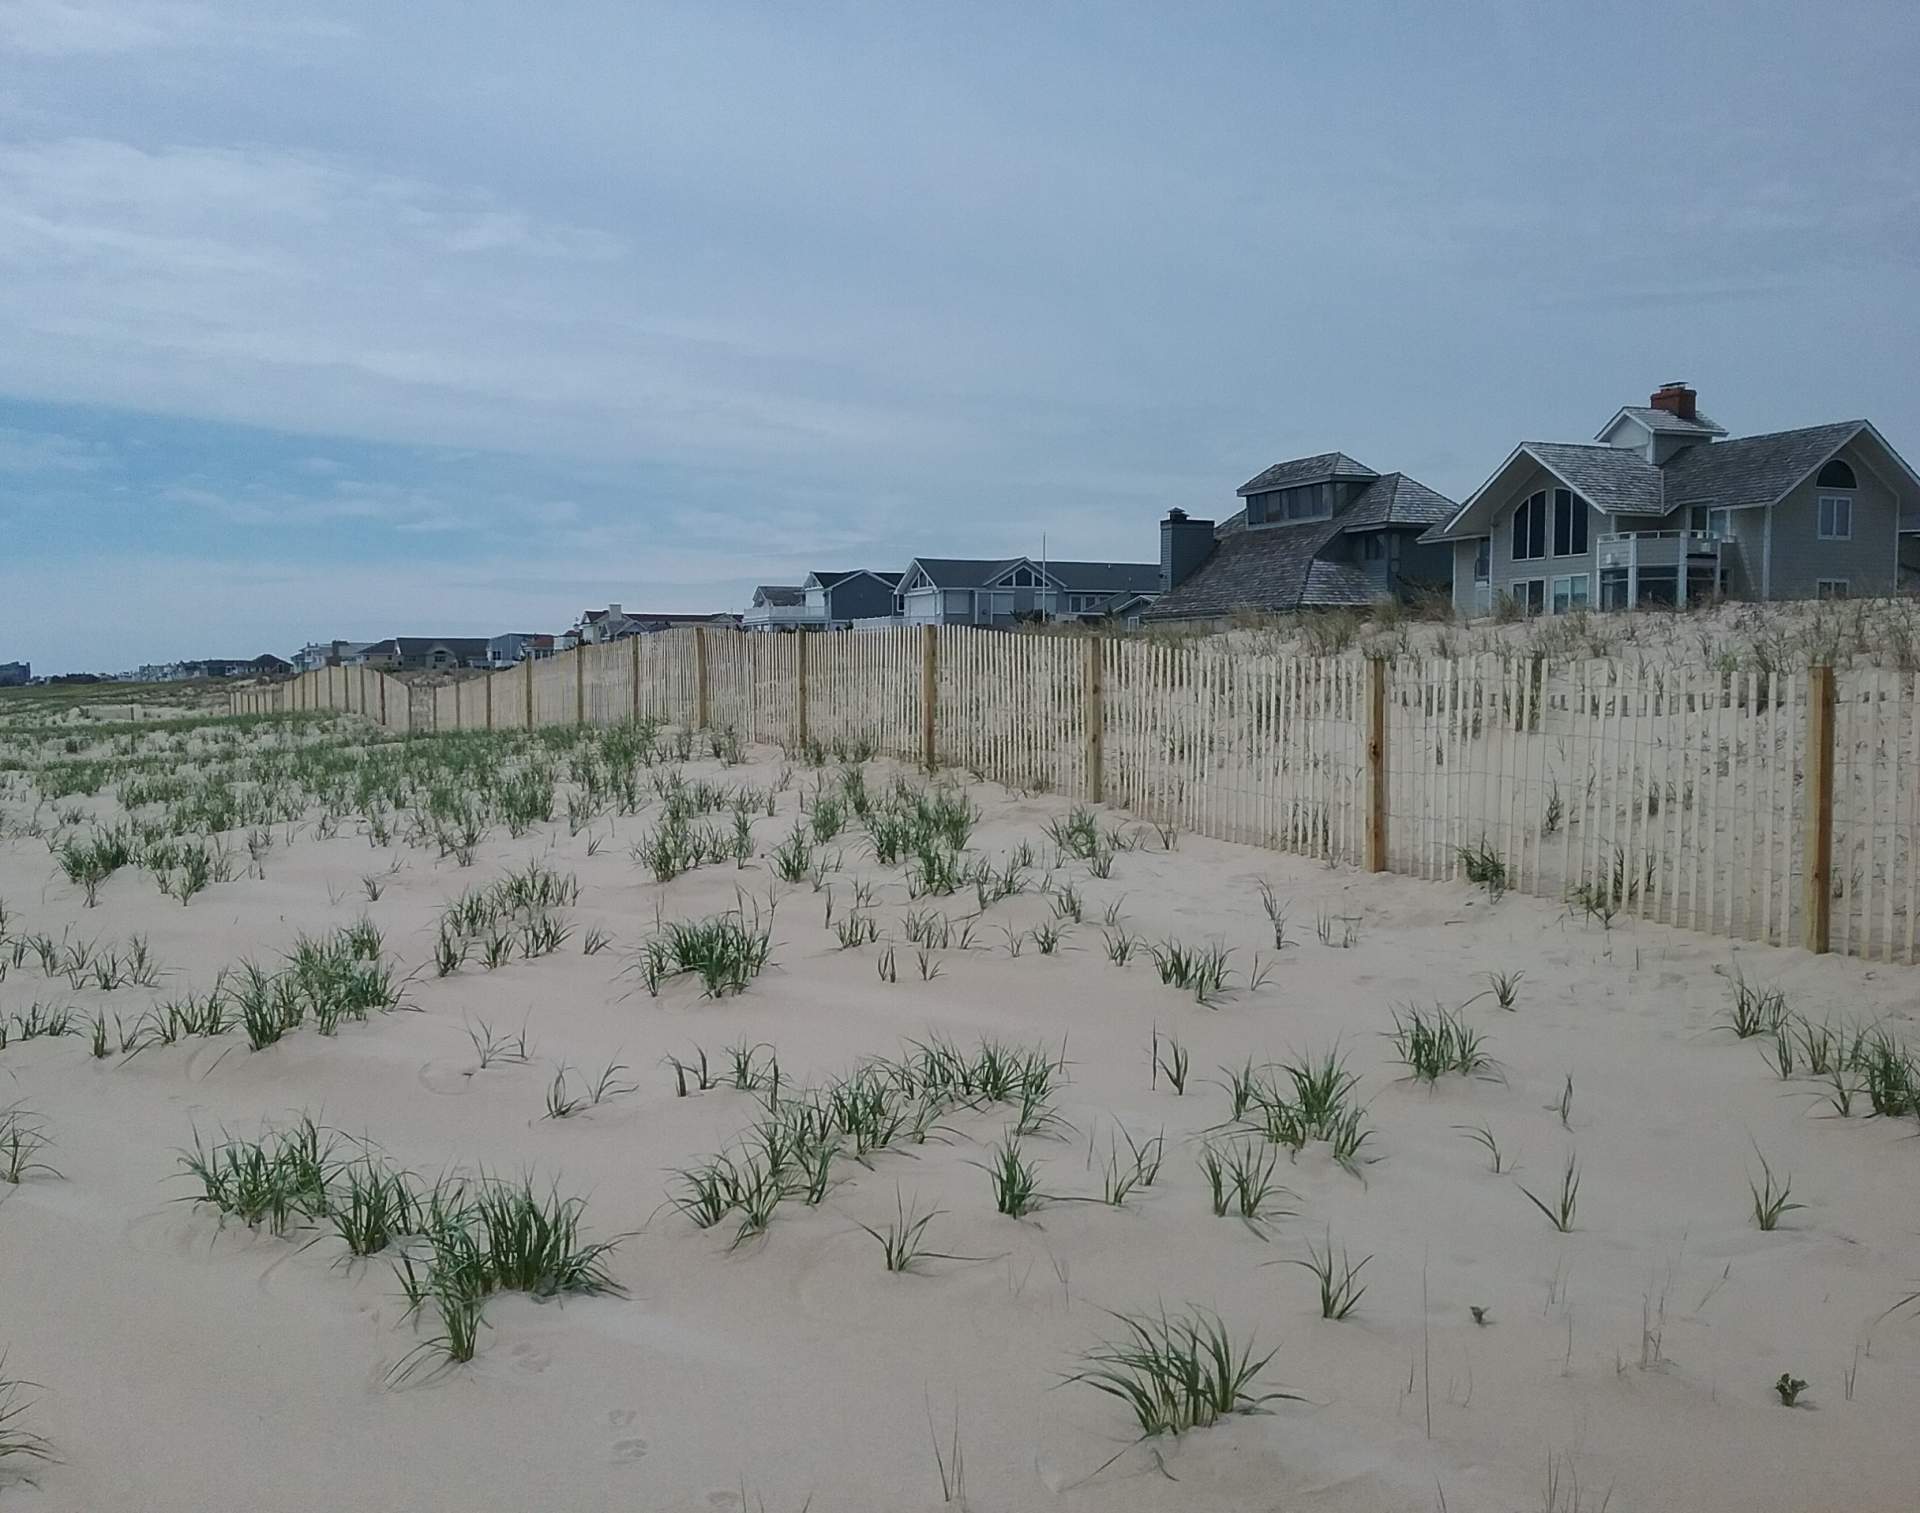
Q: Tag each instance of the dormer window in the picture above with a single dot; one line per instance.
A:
(1022, 578)
(1836, 475)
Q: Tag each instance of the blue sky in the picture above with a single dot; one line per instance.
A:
(371, 319)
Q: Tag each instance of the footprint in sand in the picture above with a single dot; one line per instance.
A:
(626, 1448)
(529, 1358)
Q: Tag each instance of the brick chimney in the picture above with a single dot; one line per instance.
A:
(1676, 399)
(1184, 545)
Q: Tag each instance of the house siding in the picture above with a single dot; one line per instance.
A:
(1868, 562)
(1506, 572)
(857, 598)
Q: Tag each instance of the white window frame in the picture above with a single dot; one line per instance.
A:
(1836, 503)
(1553, 593)
(1830, 588)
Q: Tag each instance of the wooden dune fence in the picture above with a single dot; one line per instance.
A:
(1774, 807)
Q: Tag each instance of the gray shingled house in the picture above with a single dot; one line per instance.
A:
(977, 591)
(1660, 509)
(835, 600)
(1315, 533)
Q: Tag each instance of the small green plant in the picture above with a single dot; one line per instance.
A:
(1172, 1063)
(22, 1139)
(1756, 1011)
(1505, 988)
(1789, 1387)
(1484, 865)
(1177, 1374)
(1340, 1286)
(1432, 1045)
(1483, 1137)
(1016, 1183)
(17, 1442)
(1771, 1199)
(1560, 1213)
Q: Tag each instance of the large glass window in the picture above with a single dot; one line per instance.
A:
(1659, 585)
(1836, 517)
(1530, 529)
(1613, 588)
(1570, 593)
(1830, 588)
(1569, 524)
(1483, 559)
(1528, 594)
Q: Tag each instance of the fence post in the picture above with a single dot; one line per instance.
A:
(528, 664)
(489, 696)
(633, 675)
(1818, 881)
(699, 677)
(929, 692)
(1094, 712)
(382, 686)
(1376, 764)
(800, 688)
(580, 684)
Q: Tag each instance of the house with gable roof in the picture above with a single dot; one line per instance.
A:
(1662, 508)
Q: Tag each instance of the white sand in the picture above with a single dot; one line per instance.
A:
(183, 1366)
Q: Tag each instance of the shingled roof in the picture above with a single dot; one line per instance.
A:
(1666, 423)
(1395, 499)
(1300, 470)
(1753, 469)
(779, 595)
(1280, 567)
(1262, 567)
(1747, 471)
(1615, 479)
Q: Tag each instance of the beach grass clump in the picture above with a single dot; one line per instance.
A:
(1202, 970)
(23, 1137)
(275, 1182)
(725, 951)
(1756, 1011)
(17, 1441)
(1178, 1373)
(1240, 1181)
(1431, 1045)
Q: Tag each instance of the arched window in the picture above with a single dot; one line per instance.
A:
(1530, 528)
(1836, 475)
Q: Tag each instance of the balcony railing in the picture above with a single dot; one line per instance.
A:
(1655, 548)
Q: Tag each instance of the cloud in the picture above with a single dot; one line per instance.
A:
(67, 28)
(34, 452)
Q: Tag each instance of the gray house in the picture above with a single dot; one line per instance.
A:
(777, 606)
(15, 674)
(1661, 509)
(975, 591)
(835, 600)
(1315, 533)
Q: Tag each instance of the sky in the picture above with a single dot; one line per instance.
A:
(344, 320)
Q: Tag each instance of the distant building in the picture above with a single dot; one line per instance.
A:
(516, 646)
(779, 607)
(424, 654)
(15, 674)
(1314, 533)
(598, 626)
(1006, 591)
